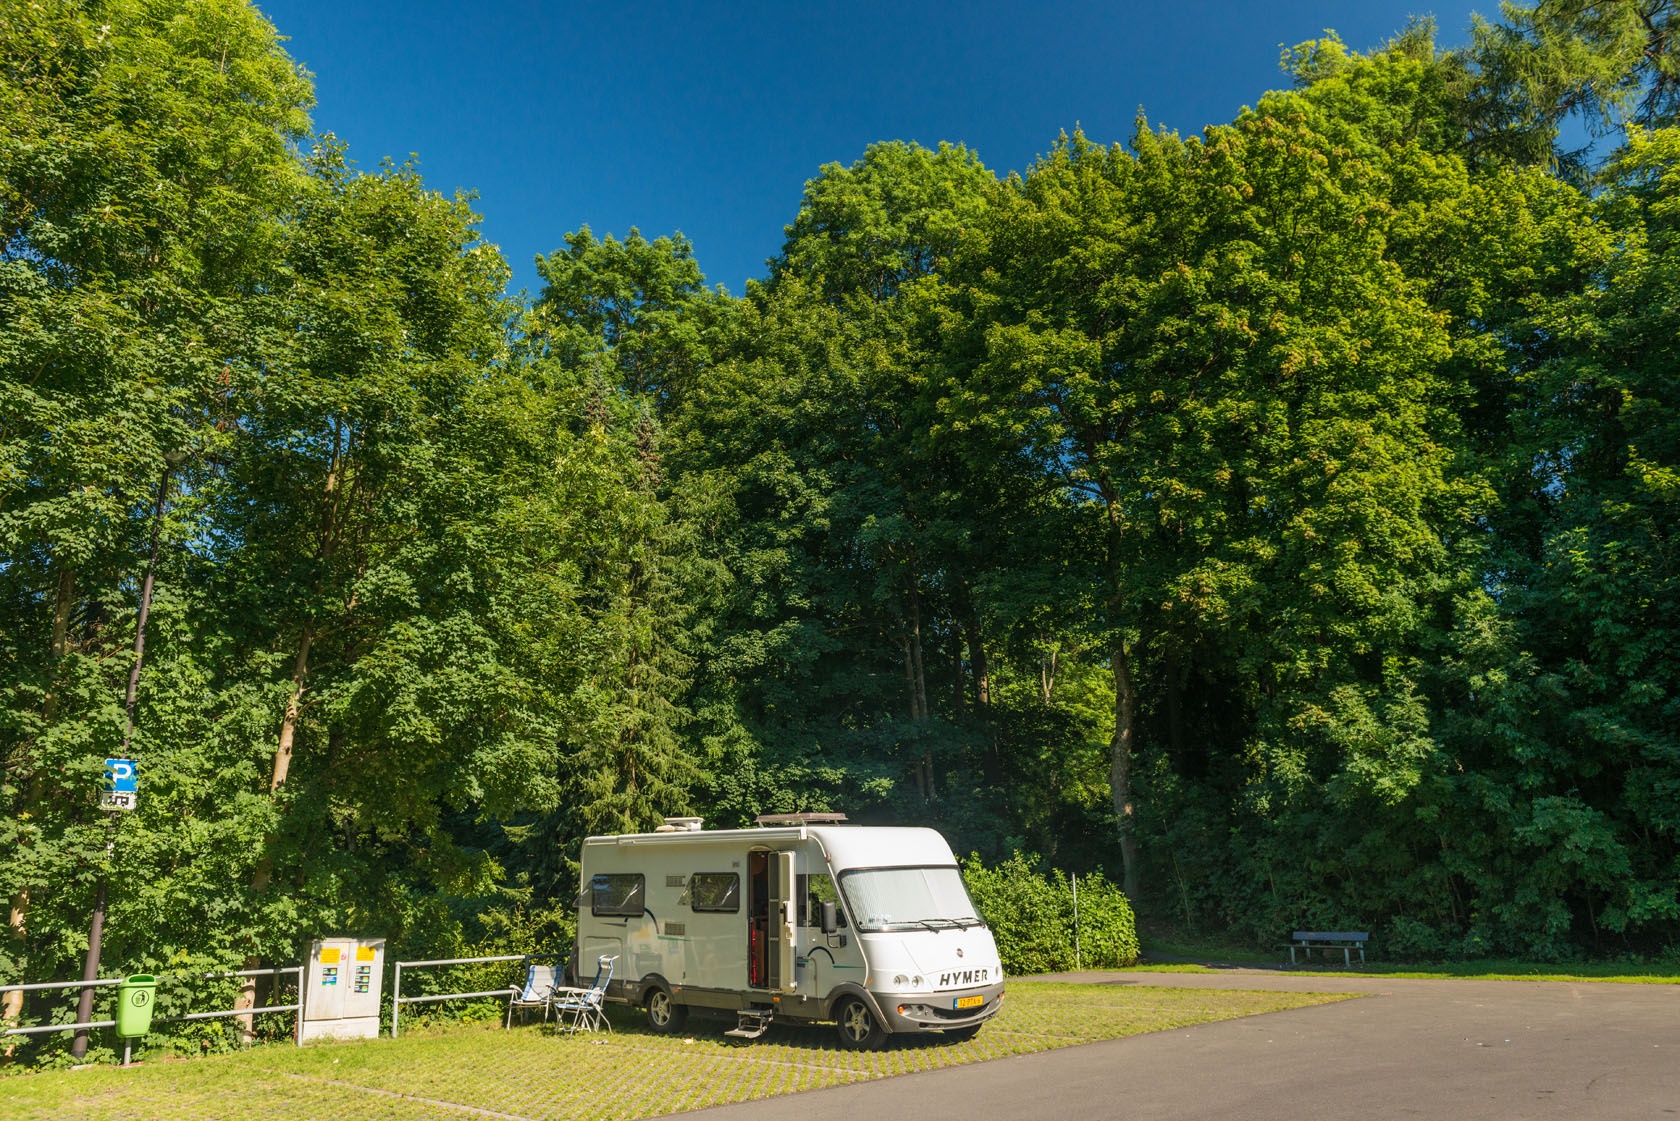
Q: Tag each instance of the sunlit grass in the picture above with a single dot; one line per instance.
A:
(1613, 972)
(629, 1073)
(1199, 954)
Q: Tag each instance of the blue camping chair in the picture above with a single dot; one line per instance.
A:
(537, 993)
(584, 1009)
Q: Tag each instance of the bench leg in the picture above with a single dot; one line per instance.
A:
(1347, 958)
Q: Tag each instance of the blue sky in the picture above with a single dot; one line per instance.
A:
(709, 118)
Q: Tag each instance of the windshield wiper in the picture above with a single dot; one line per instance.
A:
(934, 924)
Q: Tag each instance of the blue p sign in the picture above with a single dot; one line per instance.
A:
(121, 777)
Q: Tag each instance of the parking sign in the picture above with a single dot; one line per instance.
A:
(122, 785)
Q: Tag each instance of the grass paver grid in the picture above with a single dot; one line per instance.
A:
(463, 1072)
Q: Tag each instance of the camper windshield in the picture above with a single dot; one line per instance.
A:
(908, 898)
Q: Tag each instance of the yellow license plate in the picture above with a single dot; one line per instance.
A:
(968, 1002)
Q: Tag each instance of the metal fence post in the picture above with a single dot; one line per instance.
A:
(1077, 965)
(398, 1000)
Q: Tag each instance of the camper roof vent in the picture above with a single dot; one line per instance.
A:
(799, 819)
(681, 825)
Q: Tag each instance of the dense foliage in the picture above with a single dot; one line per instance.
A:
(1054, 923)
(1280, 519)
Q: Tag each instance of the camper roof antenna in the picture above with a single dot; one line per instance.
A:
(800, 819)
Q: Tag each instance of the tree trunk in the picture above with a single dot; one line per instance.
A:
(959, 689)
(909, 676)
(61, 615)
(335, 497)
(11, 1008)
(264, 872)
(918, 681)
(1120, 765)
(976, 652)
(146, 587)
(974, 639)
(1047, 677)
(289, 722)
(90, 966)
(919, 693)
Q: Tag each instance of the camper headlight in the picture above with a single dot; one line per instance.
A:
(904, 979)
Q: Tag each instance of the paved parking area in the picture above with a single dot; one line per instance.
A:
(467, 1071)
(1497, 1050)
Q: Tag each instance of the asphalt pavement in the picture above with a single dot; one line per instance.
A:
(1449, 1049)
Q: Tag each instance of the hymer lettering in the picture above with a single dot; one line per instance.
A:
(964, 977)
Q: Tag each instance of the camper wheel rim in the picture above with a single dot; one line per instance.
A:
(858, 1027)
(664, 1014)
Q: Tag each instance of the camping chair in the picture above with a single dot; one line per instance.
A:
(538, 991)
(585, 1006)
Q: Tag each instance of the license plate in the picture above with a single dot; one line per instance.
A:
(968, 1002)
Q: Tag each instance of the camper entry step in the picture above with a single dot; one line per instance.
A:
(751, 1024)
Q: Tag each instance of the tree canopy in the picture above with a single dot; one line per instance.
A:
(1279, 519)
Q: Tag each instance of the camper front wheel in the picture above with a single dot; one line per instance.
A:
(859, 1029)
(664, 1014)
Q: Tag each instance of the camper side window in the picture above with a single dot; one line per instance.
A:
(619, 894)
(815, 891)
(715, 891)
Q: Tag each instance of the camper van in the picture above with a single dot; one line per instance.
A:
(801, 919)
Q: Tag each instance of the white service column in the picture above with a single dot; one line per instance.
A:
(341, 989)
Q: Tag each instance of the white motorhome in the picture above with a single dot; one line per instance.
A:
(799, 919)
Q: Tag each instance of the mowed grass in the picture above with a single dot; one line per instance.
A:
(1200, 956)
(1610, 972)
(528, 1073)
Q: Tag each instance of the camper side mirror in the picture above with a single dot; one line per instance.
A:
(830, 918)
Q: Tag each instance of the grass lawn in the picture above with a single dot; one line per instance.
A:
(1620, 973)
(1491, 969)
(470, 1071)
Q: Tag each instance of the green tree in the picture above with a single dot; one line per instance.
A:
(1578, 696)
(144, 168)
(851, 622)
(1206, 346)
(1601, 65)
(342, 536)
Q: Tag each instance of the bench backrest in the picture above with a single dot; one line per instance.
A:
(1331, 936)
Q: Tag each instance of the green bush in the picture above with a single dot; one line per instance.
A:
(1032, 917)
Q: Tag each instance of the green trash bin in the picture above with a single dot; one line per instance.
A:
(134, 1005)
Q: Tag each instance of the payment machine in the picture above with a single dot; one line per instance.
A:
(341, 989)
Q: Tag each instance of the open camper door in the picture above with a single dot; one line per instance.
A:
(782, 885)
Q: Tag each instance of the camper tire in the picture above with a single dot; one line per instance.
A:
(664, 1014)
(860, 1028)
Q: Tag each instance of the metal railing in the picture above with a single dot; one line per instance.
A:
(221, 1014)
(398, 1000)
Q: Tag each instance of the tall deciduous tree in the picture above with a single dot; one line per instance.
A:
(144, 168)
(1205, 344)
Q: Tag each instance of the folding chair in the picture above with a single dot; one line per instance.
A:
(537, 993)
(585, 1007)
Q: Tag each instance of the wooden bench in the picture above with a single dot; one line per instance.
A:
(1344, 940)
